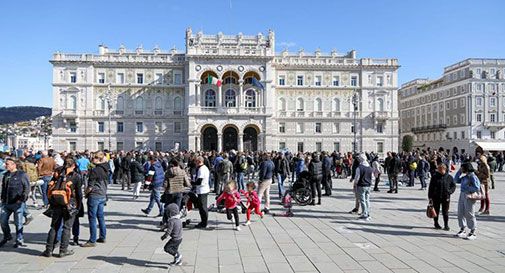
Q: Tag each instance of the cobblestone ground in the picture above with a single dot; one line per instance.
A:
(317, 239)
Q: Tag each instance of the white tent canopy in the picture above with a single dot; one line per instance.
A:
(491, 146)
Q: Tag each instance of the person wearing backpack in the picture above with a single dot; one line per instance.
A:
(65, 205)
(96, 192)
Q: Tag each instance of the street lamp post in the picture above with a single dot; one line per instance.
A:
(355, 105)
(109, 107)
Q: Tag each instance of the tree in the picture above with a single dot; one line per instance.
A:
(407, 143)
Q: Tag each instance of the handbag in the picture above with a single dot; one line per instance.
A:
(430, 211)
(478, 195)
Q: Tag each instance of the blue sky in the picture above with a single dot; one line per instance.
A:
(424, 35)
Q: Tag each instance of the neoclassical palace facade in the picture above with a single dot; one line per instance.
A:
(225, 92)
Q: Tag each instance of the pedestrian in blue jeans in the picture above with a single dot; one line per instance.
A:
(282, 171)
(156, 186)
(97, 196)
(44, 186)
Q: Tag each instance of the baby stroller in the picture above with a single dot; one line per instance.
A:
(300, 190)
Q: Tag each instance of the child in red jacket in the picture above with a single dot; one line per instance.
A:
(231, 199)
(253, 202)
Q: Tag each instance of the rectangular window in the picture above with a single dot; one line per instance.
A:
(380, 127)
(140, 78)
(479, 134)
(120, 78)
(158, 146)
(462, 134)
(177, 78)
(492, 117)
(299, 80)
(72, 145)
(352, 128)
(157, 127)
(336, 147)
(101, 127)
(282, 127)
(72, 126)
(282, 145)
(140, 127)
(139, 144)
(177, 127)
(73, 77)
(380, 81)
(299, 127)
(492, 134)
(282, 80)
(380, 147)
(119, 146)
(479, 117)
(318, 127)
(120, 127)
(354, 80)
(101, 77)
(336, 128)
(159, 78)
(455, 135)
(492, 102)
(319, 147)
(100, 145)
(336, 81)
(300, 147)
(317, 81)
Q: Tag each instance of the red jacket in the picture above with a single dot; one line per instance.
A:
(252, 198)
(230, 199)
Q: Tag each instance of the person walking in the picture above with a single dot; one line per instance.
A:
(176, 181)
(266, 171)
(466, 216)
(15, 192)
(441, 187)
(96, 193)
(137, 176)
(156, 186)
(376, 166)
(394, 167)
(363, 181)
(200, 183)
(491, 161)
(316, 174)
(65, 204)
(423, 168)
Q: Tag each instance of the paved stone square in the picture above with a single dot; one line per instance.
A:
(318, 239)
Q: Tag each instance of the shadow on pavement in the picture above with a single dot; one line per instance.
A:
(117, 260)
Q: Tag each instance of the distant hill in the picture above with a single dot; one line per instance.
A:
(22, 113)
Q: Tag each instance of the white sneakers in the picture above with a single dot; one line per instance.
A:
(247, 223)
(471, 236)
(461, 234)
(237, 228)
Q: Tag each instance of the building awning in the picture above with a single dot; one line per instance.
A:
(491, 146)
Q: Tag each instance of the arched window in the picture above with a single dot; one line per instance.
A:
(299, 105)
(318, 105)
(139, 105)
(230, 98)
(336, 105)
(72, 102)
(158, 105)
(210, 98)
(120, 104)
(177, 104)
(229, 80)
(282, 104)
(380, 104)
(101, 103)
(250, 99)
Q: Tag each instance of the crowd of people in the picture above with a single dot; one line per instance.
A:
(71, 184)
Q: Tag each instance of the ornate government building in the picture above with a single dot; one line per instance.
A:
(225, 92)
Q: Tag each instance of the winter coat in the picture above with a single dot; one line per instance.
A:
(15, 187)
(441, 187)
(316, 168)
(176, 180)
(136, 171)
(98, 180)
(159, 174)
(174, 223)
(483, 173)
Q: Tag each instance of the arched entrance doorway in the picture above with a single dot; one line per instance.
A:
(230, 138)
(209, 137)
(250, 139)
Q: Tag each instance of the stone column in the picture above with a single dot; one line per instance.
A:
(240, 102)
(198, 94)
(197, 143)
(219, 97)
(219, 142)
(240, 142)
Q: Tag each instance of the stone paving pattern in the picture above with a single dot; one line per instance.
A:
(325, 238)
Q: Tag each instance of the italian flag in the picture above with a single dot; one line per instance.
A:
(212, 80)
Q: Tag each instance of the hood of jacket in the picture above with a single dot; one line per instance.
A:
(173, 210)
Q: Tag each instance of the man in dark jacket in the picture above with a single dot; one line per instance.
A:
(96, 193)
(282, 171)
(15, 192)
(423, 168)
(125, 169)
(118, 170)
(394, 167)
(363, 181)
(137, 176)
(441, 187)
(327, 167)
(316, 173)
(156, 186)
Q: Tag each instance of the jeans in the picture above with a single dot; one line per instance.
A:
(155, 198)
(364, 200)
(60, 215)
(17, 209)
(422, 178)
(95, 211)
(466, 214)
(44, 186)
(281, 178)
(240, 181)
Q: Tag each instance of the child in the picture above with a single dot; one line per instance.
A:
(253, 202)
(231, 199)
(174, 230)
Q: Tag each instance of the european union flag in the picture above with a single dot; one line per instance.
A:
(257, 83)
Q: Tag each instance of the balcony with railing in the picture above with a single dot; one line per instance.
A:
(69, 113)
(494, 124)
(381, 115)
(99, 113)
(429, 129)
